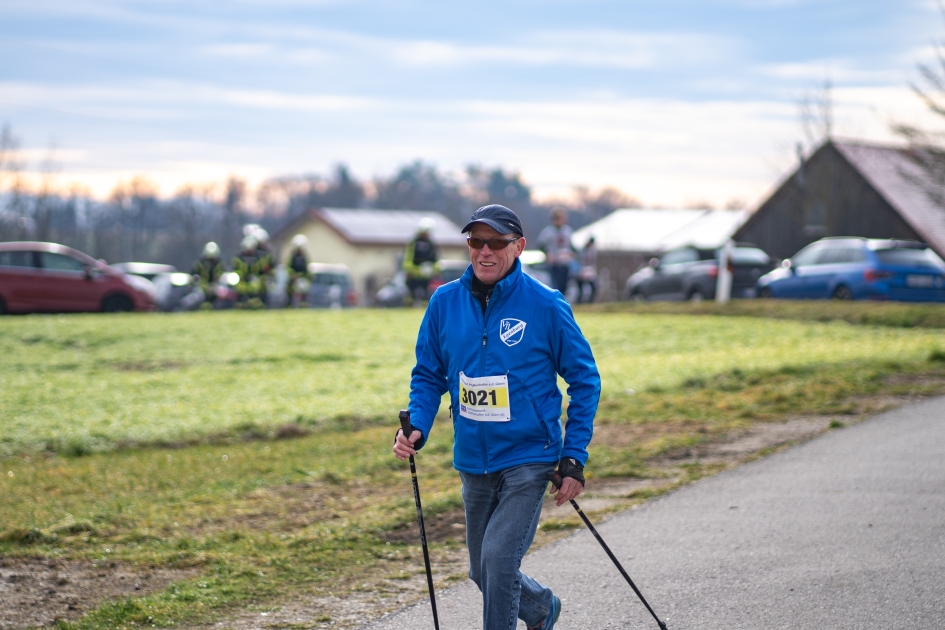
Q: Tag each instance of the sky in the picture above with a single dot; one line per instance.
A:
(674, 102)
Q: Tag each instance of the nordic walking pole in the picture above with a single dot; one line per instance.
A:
(556, 481)
(405, 426)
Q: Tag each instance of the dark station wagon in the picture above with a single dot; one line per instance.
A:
(691, 273)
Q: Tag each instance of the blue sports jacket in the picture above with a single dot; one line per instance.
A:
(456, 336)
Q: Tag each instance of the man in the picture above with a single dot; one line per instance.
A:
(264, 258)
(495, 340)
(555, 241)
(247, 266)
(298, 271)
(420, 261)
(587, 276)
(208, 270)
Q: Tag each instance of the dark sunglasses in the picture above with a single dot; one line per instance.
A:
(495, 244)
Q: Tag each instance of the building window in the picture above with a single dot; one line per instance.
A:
(816, 224)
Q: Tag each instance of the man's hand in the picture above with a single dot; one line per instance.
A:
(571, 474)
(570, 488)
(403, 448)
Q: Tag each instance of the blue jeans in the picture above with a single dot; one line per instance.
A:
(502, 511)
(559, 277)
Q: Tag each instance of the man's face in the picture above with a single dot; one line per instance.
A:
(488, 265)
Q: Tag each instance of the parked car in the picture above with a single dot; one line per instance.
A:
(173, 290)
(331, 286)
(46, 277)
(691, 273)
(395, 293)
(534, 264)
(859, 268)
(449, 270)
(146, 270)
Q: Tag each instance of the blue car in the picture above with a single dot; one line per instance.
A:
(859, 269)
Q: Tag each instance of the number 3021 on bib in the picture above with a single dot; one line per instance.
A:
(484, 399)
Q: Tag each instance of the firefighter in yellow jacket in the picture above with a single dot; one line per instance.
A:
(421, 261)
(208, 269)
(249, 268)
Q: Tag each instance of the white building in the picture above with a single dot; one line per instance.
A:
(627, 239)
(369, 242)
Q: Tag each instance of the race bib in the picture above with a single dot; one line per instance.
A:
(484, 399)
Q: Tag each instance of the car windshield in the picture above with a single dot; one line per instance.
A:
(330, 278)
(748, 256)
(448, 275)
(679, 256)
(910, 257)
(806, 256)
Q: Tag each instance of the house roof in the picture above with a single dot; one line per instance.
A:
(378, 227)
(650, 230)
(903, 184)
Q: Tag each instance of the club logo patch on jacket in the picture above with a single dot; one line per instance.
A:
(511, 331)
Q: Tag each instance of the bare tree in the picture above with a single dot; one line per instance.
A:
(603, 202)
(815, 112)
(45, 200)
(135, 215)
(927, 146)
(14, 219)
(234, 213)
(11, 162)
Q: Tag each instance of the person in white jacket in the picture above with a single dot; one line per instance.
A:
(555, 241)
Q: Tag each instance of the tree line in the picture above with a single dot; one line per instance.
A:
(136, 224)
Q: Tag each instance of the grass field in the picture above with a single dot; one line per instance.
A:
(91, 405)
(899, 314)
(84, 383)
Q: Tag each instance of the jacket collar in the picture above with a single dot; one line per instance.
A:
(503, 286)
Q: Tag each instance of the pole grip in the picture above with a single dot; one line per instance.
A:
(555, 479)
(405, 423)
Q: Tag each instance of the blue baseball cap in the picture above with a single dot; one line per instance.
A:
(499, 218)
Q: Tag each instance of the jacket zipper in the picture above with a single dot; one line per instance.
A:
(482, 372)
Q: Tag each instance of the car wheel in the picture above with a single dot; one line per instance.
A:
(117, 304)
(766, 293)
(637, 297)
(842, 292)
(696, 296)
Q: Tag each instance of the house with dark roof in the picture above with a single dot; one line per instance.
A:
(369, 242)
(849, 188)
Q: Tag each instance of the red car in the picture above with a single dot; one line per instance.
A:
(46, 277)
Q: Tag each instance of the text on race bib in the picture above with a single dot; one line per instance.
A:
(484, 399)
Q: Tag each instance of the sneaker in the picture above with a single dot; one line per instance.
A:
(552, 617)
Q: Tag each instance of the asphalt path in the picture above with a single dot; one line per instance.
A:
(845, 531)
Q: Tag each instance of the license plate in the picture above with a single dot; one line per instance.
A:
(920, 282)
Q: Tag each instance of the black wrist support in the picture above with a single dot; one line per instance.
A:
(569, 467)
(420, 441)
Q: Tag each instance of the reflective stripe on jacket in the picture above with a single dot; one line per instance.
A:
(456, 336)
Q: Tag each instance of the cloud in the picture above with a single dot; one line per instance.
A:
(268, 52)
(663, 150)
(149, 99)
(603, 49)
(836, 69)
